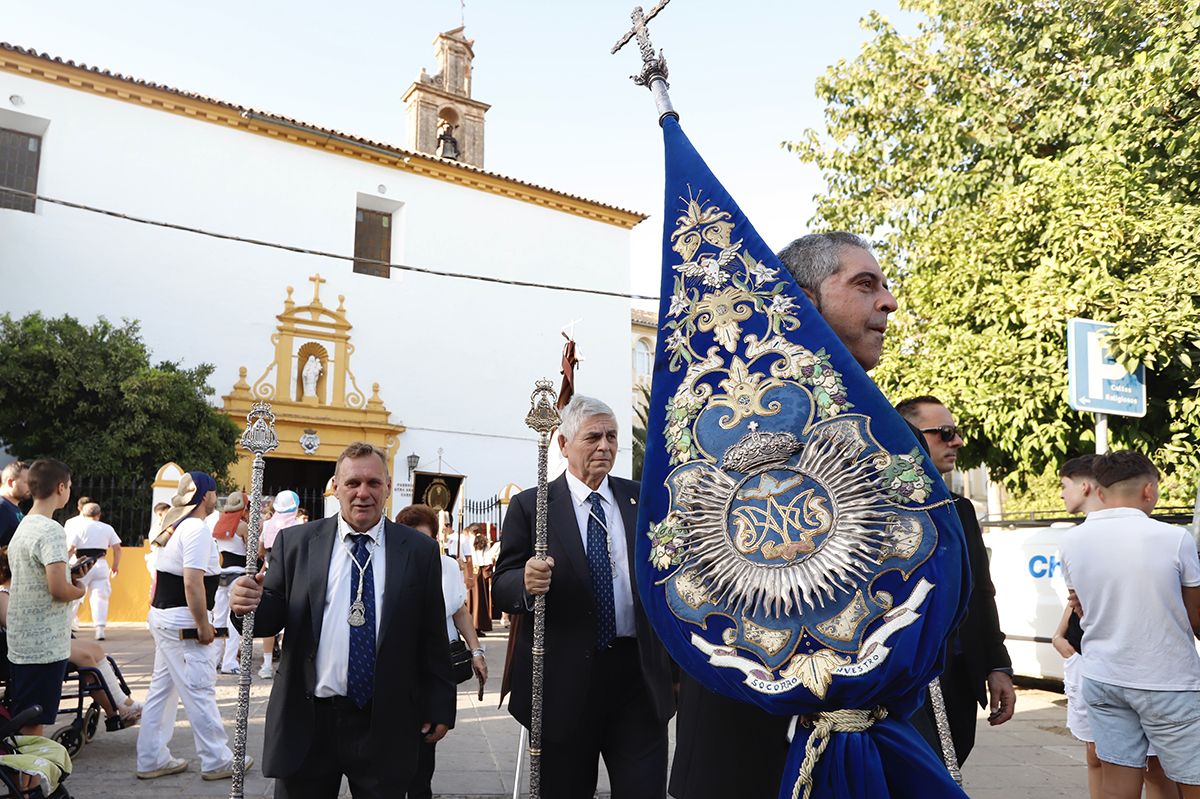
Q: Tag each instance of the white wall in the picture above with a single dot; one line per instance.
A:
(449, 355)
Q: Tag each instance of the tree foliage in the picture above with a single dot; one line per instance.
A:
(89, 396)
(641, 402)
(1022, 162)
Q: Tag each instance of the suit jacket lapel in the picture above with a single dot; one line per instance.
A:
(397, 575)
(563, 527)
(317, 557)
(627, 503)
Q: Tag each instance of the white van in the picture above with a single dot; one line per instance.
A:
(1030, 595)
(1031, 592)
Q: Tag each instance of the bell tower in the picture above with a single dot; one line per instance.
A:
(443, 119)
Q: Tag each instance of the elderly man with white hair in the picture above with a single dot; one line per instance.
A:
(607, 689)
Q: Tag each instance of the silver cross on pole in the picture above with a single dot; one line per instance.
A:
(654, 67)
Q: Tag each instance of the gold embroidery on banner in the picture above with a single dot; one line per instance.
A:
(691, 590)
(843, 626)
(903, 540)
(815, 671)
(771, 641)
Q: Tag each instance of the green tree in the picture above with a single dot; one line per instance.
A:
(89, 396)
(641, 401)
(1022, 162)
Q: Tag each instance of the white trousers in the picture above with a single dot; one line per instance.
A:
(182, 670)
(98, 587)
(229, 658)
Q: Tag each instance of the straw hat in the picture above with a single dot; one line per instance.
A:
(236, 501)
(193, 486)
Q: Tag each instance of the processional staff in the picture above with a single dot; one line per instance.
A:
(543, 419)
(259, 438)
(654, 77)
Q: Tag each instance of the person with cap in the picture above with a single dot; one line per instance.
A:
(93, 540)
(285, 507)
(230, 534)
(184, 658)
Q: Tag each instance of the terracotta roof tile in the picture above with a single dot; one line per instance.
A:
(299, 123)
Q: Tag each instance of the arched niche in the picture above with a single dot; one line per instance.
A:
(312, 348)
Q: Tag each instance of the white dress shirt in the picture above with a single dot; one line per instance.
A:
(618, 548)
(333, 650)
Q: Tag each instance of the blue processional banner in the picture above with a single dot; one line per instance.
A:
(800, 552)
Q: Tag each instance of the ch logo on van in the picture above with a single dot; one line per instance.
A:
(1044, 566)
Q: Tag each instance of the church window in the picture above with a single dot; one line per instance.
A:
(643, 358)
(19, 156)
(372, 239)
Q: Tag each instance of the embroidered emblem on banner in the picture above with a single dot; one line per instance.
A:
(783, 507)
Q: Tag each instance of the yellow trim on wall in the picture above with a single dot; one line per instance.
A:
(222, 114)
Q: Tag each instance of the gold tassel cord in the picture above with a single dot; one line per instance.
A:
(825, 725)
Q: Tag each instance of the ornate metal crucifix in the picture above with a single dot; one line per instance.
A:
(654, 67)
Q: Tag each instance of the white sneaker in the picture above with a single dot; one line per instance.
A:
(100, 633)
(174, 766)
(226, 771)
(265, 672)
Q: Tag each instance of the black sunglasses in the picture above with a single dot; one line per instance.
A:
(948, 432)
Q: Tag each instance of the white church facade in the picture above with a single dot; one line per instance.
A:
(422, 363)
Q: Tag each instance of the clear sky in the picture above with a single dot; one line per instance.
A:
(564, 112)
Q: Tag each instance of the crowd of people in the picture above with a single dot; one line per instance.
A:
(369, 624)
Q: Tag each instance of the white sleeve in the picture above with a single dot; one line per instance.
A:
(113, 538)
(458, 597)
(196, 543)
(1189, 562)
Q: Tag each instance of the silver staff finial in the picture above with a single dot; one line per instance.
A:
(259, 436)
(542, 417)
(654, 67)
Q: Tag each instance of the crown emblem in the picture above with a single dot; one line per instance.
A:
(756, 450)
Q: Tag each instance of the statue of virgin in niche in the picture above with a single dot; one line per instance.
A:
(310, 375)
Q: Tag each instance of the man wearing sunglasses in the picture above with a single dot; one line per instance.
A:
(978, 664)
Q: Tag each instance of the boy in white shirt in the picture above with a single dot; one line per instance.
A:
(1138, 584)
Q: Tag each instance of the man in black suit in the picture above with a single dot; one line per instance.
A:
(608, 684)
(842, 278)
(365, 673)
(977, 665)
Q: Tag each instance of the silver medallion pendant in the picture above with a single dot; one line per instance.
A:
(358, 613)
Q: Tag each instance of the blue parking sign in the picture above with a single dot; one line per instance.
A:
(1096, 382)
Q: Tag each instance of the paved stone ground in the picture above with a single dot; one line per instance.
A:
(1031, 757)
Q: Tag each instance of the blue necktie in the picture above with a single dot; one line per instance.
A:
(602, 576)
(360, 672)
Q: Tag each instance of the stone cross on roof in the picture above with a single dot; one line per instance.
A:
(317, 280)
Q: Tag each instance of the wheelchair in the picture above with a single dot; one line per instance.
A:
(78, 686)
(10, 779)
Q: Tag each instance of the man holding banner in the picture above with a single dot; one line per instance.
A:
(801, 552)
(838, 272)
